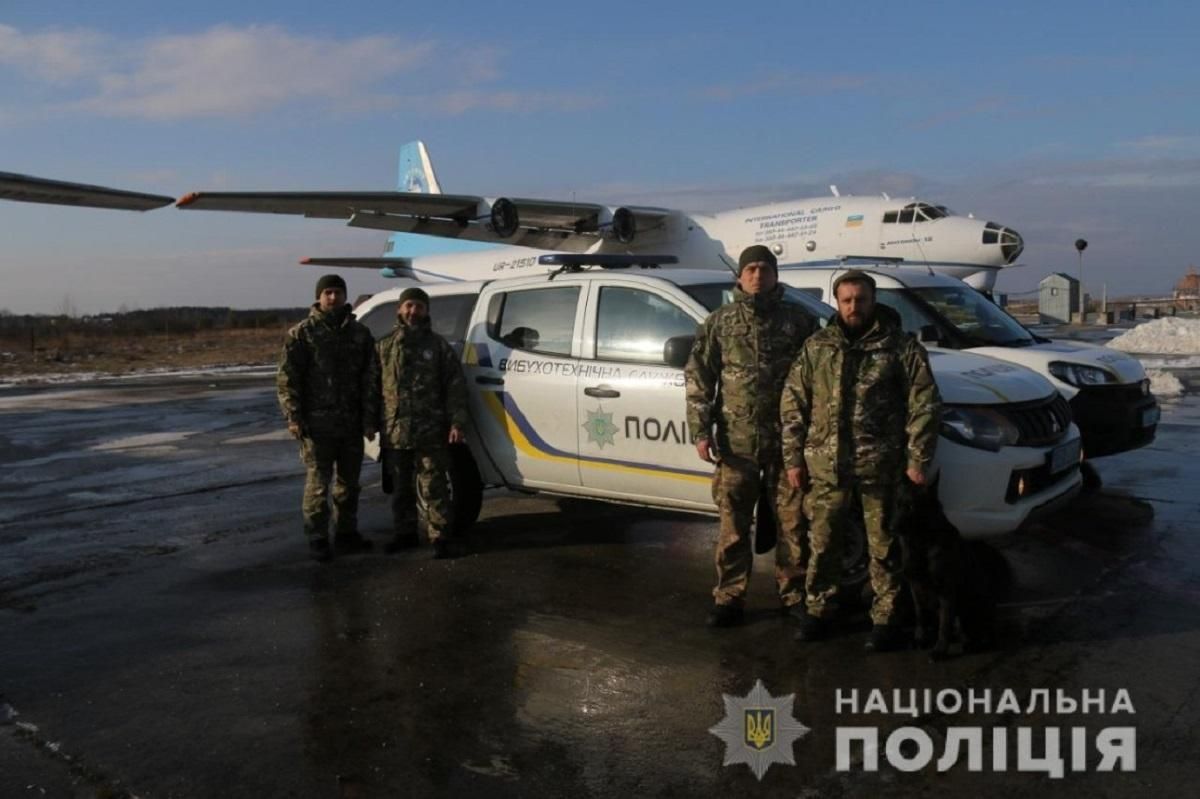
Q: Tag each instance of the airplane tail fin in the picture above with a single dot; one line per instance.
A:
(416, 175)
(416, 170)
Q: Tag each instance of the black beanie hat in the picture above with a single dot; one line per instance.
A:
(756, 253)
(330, 282)
(413, 293)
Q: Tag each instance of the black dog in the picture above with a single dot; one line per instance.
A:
(951, 579)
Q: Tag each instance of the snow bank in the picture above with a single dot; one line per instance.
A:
(1164, 384)
(1169, 336)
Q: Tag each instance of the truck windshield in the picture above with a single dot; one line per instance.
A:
(974, 316)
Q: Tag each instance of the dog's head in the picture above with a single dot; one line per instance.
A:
(922, 517)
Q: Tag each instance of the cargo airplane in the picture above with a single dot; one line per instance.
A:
(816, 231)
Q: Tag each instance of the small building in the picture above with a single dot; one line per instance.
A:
(1188, 288)
(1058, 299)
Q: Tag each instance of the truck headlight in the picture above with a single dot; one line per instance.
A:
(982, 428)
(1078, 375)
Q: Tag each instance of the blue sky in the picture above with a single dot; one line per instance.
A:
(1062, 120)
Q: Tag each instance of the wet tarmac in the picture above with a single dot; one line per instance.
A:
(163, 633)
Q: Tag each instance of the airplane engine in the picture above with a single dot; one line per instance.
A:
(505, 219)
(624, 225)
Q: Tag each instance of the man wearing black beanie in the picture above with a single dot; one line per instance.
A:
(735, 376)
(328, 388)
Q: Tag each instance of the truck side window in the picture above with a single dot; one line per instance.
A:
(633, 325)
(450, 314)
(540, 320)
(381, 319)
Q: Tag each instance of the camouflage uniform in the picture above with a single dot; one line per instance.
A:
(857, 413)
(328, 384)
(734, 377)
(424, 394)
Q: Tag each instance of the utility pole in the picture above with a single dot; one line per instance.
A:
(1080, 246)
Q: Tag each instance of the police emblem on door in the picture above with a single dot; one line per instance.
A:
(760, 727)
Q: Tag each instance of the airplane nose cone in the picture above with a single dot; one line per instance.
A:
(1011, 245)
(1010, 241)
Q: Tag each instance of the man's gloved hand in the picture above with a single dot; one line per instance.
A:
(296, 429)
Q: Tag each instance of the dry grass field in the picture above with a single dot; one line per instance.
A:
(88, 354)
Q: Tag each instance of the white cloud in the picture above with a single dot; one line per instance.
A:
(55, 56)
(239, 72)
(1160, 144)
(230, 71)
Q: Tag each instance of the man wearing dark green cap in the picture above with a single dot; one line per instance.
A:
(742, 354)
(424, 412)
(328, 388)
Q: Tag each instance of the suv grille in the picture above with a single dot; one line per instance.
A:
(1039, 422)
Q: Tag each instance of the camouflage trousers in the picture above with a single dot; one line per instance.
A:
(335, 460)
(831, 510)
(737, 484)
(419, 474)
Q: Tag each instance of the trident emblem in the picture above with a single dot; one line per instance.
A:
(760, 727)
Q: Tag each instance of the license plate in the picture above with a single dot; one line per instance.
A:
(1064, 457)
(1150, 416)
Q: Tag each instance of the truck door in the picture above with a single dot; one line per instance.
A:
(520, 369)
(632, 424)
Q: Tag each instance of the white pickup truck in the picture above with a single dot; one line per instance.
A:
(1108, 390)
(576, 388)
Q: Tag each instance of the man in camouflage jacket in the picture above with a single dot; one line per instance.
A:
(860, 413)
(742, 354)
(328, 389)
(424, 411)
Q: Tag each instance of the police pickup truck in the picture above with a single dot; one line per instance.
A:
(576, 387)
(1108, 390)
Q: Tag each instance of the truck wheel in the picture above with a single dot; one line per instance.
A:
(466, 488)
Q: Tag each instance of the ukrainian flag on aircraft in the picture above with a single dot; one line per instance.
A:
(854, 220)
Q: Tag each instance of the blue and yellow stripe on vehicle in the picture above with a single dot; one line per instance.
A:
(527, 440)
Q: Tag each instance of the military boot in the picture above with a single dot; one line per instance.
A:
(319, 549)
(812, 628)
(402, 541)
(351, 544)
(725, 615)
(444, 549)
(885, 638)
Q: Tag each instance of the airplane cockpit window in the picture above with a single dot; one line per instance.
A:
(916, 212)
(929, 212)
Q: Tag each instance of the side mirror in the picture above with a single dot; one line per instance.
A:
(929, 334)
(677, 350)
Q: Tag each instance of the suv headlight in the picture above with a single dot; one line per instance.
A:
(1079, 375)
(982, 428)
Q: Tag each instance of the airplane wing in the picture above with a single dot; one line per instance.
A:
(543, 224)
(388, 267)
(28, 189)
(359, 263)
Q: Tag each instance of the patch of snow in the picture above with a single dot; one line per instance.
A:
(146, 440)
(1183, 362)
(1164, 384)
(1170, 335)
